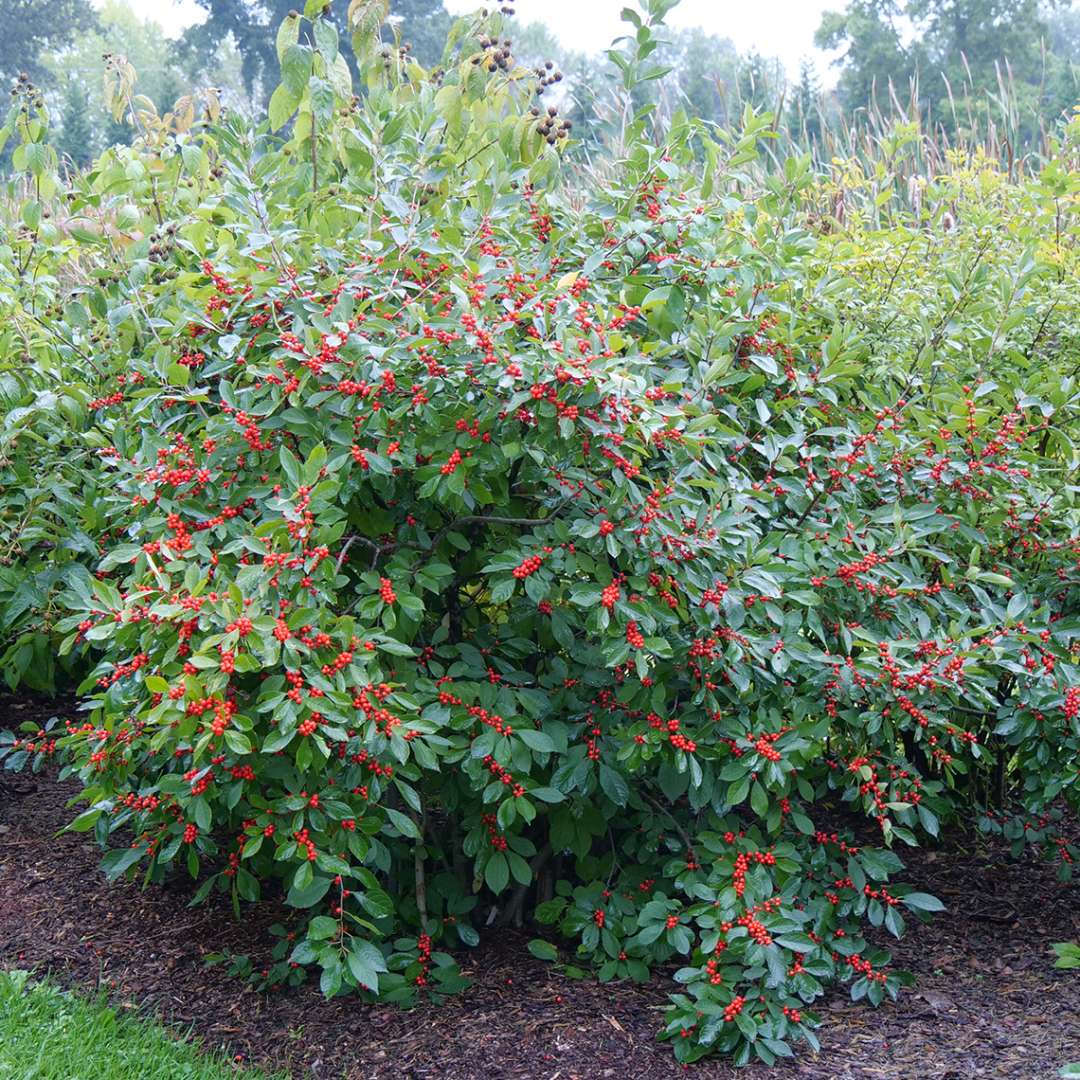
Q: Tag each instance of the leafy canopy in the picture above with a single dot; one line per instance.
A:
(449, 543)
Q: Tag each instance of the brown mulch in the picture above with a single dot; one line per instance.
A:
(987, 1001)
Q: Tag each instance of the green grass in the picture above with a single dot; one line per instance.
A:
(48, 1034)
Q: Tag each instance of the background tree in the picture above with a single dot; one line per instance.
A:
(582, 96)
(873, 51)
(424, 24)
(32, 27)
(804, 119)
(973, 62)
(759, 81)
(79, 66)
(251, 23)
(1061, 89)
(76, 142)
(704, 69)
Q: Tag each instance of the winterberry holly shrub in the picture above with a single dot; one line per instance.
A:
(483, 544)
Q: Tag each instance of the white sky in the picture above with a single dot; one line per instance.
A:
(783, 28)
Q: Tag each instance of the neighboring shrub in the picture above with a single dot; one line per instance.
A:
(478, 551)
(49, 512)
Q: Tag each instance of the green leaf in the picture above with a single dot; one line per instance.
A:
(283, 103)
(86, 820)
(543, 950)
(535, 740)
(738, 791)
(330, 979)
(547, 794)
(365, 18)
(321, 95)
(322, 927)
(121, 859)
(614, 785)
(396, 648)
(315, 463)
(237, 742)
(497, 872)
(288, 34)
(921, 901)
(295, 70)
(326, 39)
(403, 823)
(291, 467)
(759, 800)
(278, 741)
(894, 921)
(310, 895)
(365, 962)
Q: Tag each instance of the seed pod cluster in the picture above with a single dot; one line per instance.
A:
(548, 124)
(546, 76)
(496, 55)
(27, 94)
(161, 243)
(402, 53)
(424, 193)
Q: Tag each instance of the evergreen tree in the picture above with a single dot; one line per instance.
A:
(758, 82)
(171, 88)
(76, 132)
(804, 113)
(118, 132)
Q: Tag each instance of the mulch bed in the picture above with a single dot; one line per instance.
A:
(987, 1001)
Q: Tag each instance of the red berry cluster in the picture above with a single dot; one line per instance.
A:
(527, 566)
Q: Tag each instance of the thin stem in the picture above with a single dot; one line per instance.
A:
(674, 821)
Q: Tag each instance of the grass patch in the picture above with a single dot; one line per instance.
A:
(49, 1034)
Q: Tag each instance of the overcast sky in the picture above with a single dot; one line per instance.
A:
(783, 28)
